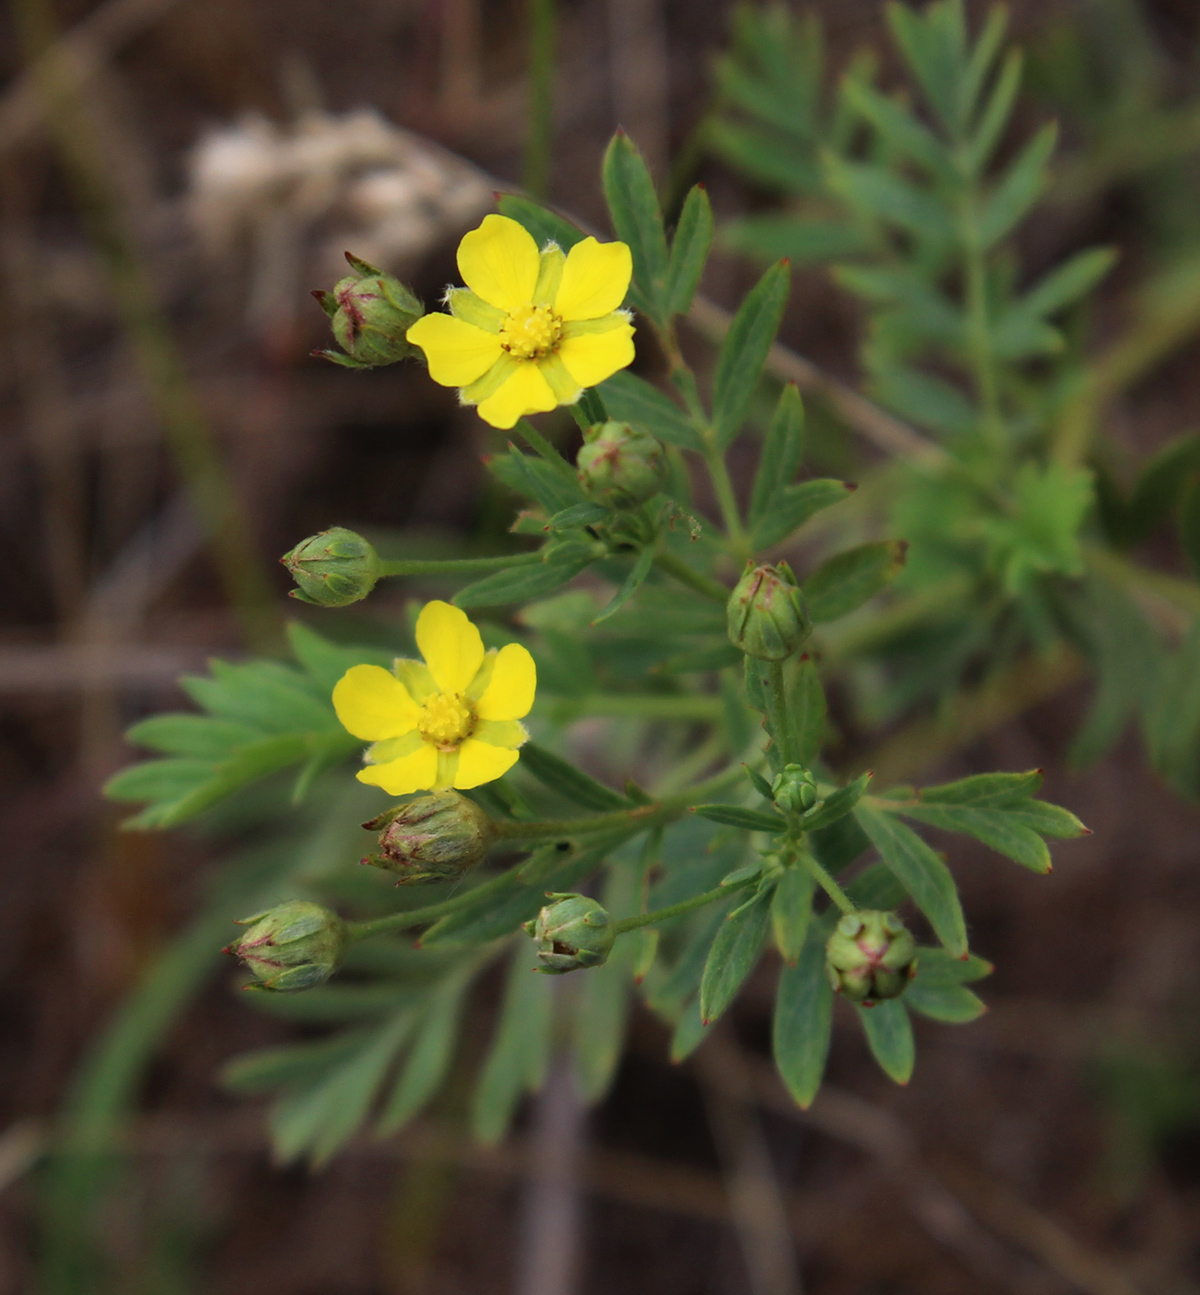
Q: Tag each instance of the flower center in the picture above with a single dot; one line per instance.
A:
(445, 719)
(531, 332)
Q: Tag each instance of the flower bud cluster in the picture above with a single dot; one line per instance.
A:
(794, 789)
(572, 933)
(370, 313)
(432, 838)
(292, 946)
(334, 568)
(620, 467)
(767, 616)
(870, 955)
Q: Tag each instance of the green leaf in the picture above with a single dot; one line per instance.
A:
(633, 207)
(1047, 819)
(577, 515)
(994, 827)
(735, 816)
(936, 969)
(803, 1019)
(552, 483)
(631, 399)
(317, 1120)
(295, 1065)
(563, 777)
(984, 789)
(430, 1056)
(933, 48)
(326, 661)
(689, 251)
(774, 237)
(733, 955)
(792, 506)
(791, 909)
(953, 1004)
(846, 581)
(630, 585)
(744, 352)
(1189, 522)
(890, 1037)
(1020, 188)
(806, 702)
(198, 736)
(689, 1033)
(1065, 284)
(921, 872)
(782, 453)
(516, 1063)
(836, 805)
(545, 225)
(521, 583)
(897, 125)
(1159, 487)
(882, 195)
(996, 113)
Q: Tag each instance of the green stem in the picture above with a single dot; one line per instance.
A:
(779, 705)
(540, 134)
(432, 912)
(827, 883)
(676, 910)
(739, 541)
(639, 818)
(675, 566)
(454, 566)
(978, 328)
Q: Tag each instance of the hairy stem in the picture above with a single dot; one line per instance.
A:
(676, 910)
(675, 566)
(779, 704)
(454, 566)
(839, 897)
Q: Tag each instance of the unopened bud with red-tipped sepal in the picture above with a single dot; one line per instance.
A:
(766, 615)
(370, 312)
(432, 838)
(572, 933)
(870, 955)
(333, 569)
(620, 467)
(292, 946)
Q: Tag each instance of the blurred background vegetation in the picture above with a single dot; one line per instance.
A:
(176, 177)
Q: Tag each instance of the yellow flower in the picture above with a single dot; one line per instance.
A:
(530, 330)
(452, 722)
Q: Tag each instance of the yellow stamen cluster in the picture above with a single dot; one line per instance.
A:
(531, 332)
(445, 719)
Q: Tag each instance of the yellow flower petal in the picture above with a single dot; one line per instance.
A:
(595, 356)
(499, 262)
(373, 704)
(479, 763)
(514, 680)
(501, 732)
(595, 279)
(447, 767)
(457, 352)
(416, 772)
(450, 645)
(526, 392)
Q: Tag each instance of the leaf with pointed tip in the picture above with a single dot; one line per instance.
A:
(734, 954)
(689, 251)
(845, 582)
(744, 352)
(803, 1018)
(890, 1037)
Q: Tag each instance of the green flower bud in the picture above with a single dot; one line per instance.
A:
(767, 615)
(620, 467)
(573, 932)
(870, 955)
(432, 838)
(333, 569)
(794, 789)
(370, 313)
(292, 946)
